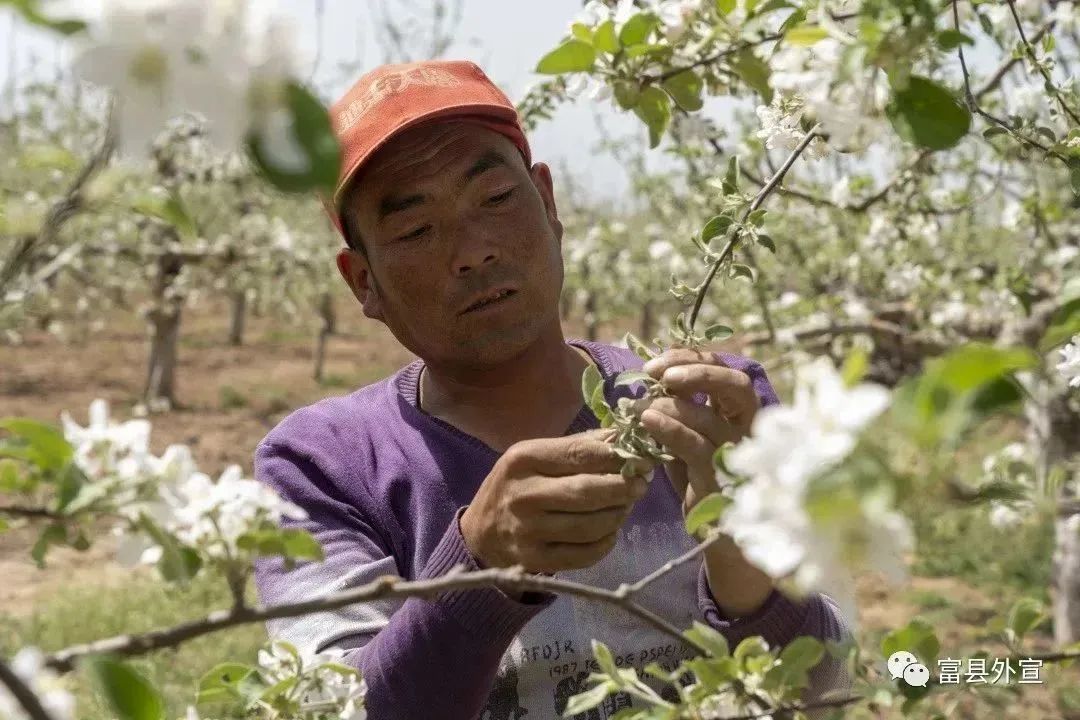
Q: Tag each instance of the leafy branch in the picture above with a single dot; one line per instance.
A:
(735, 231)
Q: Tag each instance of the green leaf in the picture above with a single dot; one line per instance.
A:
(739, 270)
(46, 445)
(733, 176)
(802, 653)
(572, 56)
(605, 659)
(927, 115)
(708, 637)
(993, 131)
(805, 35)
(1026, 614)
(753, 646)
(855, 366)
(716, 226)
(718, 332)
(685, 89)
(131, 695)
(766, 242)
(582, 32)
(706, 512)
(222, 683)
(1064, 323)
(916, 637)
(589, 699)
(177, 563)
(637, 29)
(630, 377)
(605, 39)
(170, 208)
(951, 39)
(314, 136)
(757, 218)
(654, 109)
(725, 7)
(975, 364)
(754, 72)
(1074, 179)
(590, 379)
(301, 544)
(54, 534)
(639, 348)
(627, 94)
(31, 12)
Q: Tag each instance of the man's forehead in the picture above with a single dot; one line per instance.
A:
(428, 151)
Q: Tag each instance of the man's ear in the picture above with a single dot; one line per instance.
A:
(356, 271)
(541, 178)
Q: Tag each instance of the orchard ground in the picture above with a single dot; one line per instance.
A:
(964, 573)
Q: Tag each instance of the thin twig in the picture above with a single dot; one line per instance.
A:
(29, 700)
(628, 590)
(29, 512)
(762, 195)
(65, 208)
(1038, 66)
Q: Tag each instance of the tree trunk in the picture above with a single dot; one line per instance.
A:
(328, 323)
(237, 309)
(565, 304)
(327, 314)
(590, 316)
(1054, 434)
(645, 329)
(164, 317)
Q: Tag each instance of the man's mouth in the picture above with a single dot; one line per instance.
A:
(490, 299)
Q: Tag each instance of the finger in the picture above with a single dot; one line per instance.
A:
(554, 527)
(678, 356)
(689, 446)
(584, 493)
(731, 392)
(701, 419)
(586, 452)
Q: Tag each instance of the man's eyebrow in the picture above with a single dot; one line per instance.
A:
(392, 204)
(488, 161)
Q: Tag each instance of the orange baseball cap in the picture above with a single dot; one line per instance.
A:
(393, 98)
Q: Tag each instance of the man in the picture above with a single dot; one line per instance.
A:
(481, 452)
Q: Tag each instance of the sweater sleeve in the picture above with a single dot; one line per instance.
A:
(779, 621)
(420, 657)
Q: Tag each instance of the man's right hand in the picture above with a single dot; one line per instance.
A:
(551, 504)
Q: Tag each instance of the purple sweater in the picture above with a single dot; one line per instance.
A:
(384, 484)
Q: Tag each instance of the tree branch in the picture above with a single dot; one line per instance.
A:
(387, 586)
(26, 697)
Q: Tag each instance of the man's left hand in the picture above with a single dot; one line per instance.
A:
(692, 432)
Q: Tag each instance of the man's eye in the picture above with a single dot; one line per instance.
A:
(501, 197)
(415, 233)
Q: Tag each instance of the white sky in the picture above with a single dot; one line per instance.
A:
(505, 37)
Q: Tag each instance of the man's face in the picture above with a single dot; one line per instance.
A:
(448, 213)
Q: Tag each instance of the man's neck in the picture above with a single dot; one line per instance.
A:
(536, 394)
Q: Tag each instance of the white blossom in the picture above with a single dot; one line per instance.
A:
(320, 685)
(789, 446)
(1069, 367)
(29, 665)
(167, 57)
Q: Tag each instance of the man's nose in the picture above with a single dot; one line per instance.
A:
(473, 250)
